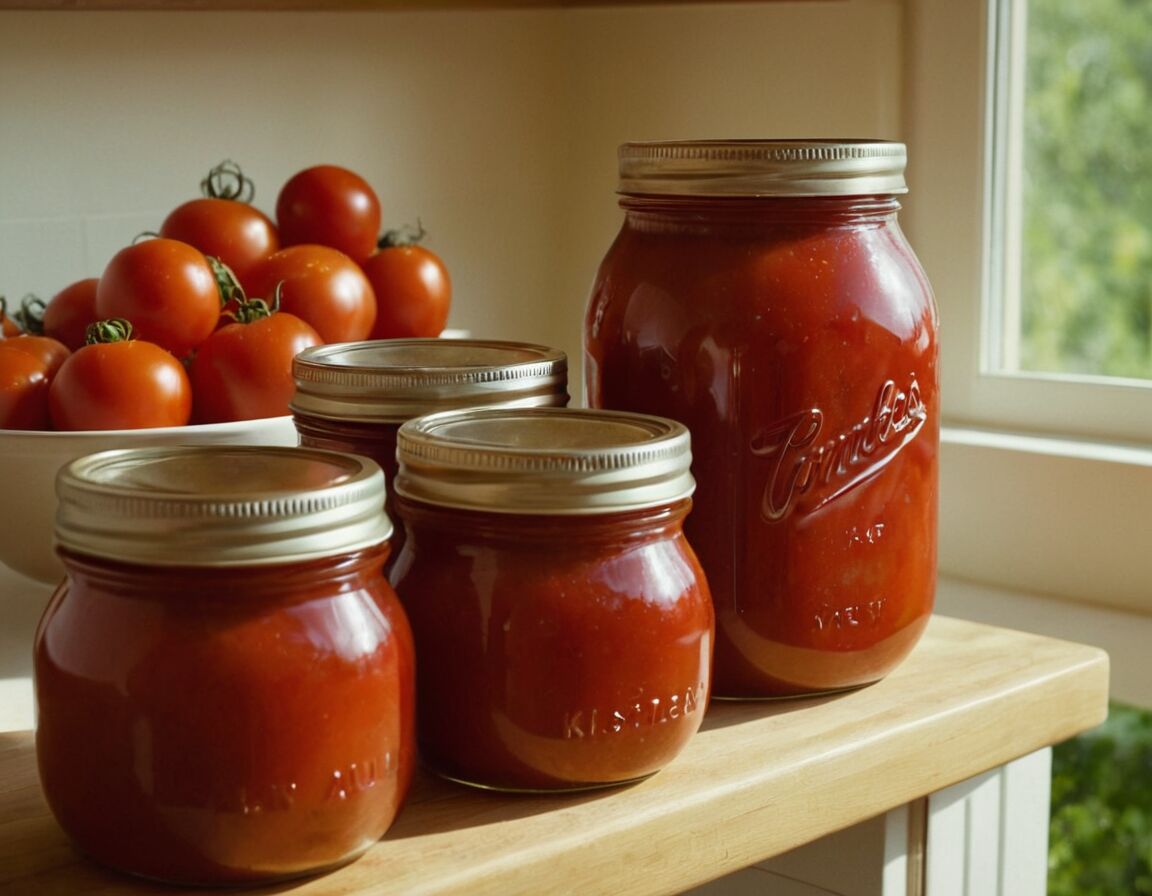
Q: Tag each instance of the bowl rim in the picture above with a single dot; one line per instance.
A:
(194, 428)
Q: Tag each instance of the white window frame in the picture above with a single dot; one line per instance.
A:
(1046, 483)
(954, 75)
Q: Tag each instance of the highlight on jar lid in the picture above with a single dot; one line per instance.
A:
(393, 380)
(763, 168)
(219, 505)
(544, 460)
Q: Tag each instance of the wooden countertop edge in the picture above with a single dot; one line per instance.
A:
(746, 815)
(759, 779)
(329, 6)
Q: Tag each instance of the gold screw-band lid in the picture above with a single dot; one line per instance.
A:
(393, 380)
(216, 506)
(763, 168)
(544, 460)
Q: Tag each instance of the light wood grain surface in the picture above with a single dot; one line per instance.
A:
(330, 5)
(759, 779)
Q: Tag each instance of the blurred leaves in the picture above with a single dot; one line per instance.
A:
(1086, 302)
(1100, 841)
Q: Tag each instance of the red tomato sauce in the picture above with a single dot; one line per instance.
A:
(554, 652)
(225, 725)
(796, 339)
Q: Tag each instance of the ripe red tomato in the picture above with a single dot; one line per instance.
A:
(50, 352)
(244, 369)
(166, 288)
(238, 234)
(413, 292)
(67, 316)
(23, 389)
(124, 383)
(323, 287)
(330, 206)
(223, 223)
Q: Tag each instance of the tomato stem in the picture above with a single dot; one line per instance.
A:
(402, 236)
(227, 283)
(115, 329)
(30, 317)
(247, 311)
(227, 181)
(251, 310)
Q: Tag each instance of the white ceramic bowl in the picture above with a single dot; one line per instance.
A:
(29, 462)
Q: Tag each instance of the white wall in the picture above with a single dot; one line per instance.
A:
(497, 128)
(110, 119)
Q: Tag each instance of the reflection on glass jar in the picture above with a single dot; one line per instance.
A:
(224, 681)
(762, 293)
(562, 623)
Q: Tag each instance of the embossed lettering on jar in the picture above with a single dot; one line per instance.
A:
(224, 681)
(562, 624)
(763, 294)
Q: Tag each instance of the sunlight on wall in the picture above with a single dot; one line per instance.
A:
(497, 129)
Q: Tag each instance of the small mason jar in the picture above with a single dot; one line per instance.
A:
(762, 293)
(354, 396)
(563, 627)
(224, 680)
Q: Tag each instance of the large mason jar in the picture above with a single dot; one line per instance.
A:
(763, 294)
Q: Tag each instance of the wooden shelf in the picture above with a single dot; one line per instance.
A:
(759, 779)
(330, 5)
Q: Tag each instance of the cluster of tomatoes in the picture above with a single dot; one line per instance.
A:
(199, 323)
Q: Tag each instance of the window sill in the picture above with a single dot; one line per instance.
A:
(1048, 446)
(1051, 516)
(1125, 636)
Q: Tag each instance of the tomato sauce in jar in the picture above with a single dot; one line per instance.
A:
(563, 627)
(354, 396)
(224, 681)
(762, 293)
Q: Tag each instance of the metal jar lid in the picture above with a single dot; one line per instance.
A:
(393, 380)
(763, 168)
(213, 506)
(544, 460)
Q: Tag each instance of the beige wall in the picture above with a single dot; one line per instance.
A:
(498, 129)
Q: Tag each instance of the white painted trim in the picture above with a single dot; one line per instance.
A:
(950, 75)
(1057, 517)
(1085, 450)
(988, 836)
(1046, 483)
(1026, 788)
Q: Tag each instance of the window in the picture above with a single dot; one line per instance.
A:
(1046, 478)
(1046, 470)
(1071, 197)
(1043, 277)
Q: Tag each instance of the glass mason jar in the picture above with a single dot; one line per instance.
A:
(353, 396)
(762, 293)
(224, 680)
(563, 626)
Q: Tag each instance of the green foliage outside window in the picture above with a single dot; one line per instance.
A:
(1100, 839)
(1086, 300)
